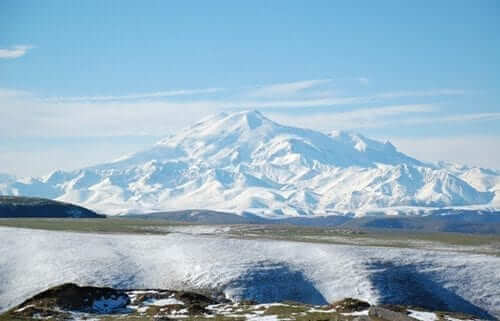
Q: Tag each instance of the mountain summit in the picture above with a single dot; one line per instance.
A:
(247, 162)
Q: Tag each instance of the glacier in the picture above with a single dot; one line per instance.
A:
(245, 162)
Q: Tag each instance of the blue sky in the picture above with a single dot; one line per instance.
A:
(84, 82)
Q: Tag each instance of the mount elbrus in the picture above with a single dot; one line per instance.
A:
(246, 162)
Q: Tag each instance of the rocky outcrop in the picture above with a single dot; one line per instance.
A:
(350, 305)
(72, 302)
(385, 314)
(72, 297)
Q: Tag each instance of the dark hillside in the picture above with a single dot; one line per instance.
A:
(19, 206)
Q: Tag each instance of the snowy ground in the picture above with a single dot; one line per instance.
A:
(267, 271)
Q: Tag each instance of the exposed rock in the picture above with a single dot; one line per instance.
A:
(350, 305)
(194, 298)
(104, 304)
(394, 307)
(72, 297)
(385, 314)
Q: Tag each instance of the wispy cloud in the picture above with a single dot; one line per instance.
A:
(354, 119)
(423, 93)
(481, 150)
(286, 89)
(441, 119)
(299, 94)
(472, 117)
(381, 117)
(138, 114)
(14, 52)
(10, 93)
(364, 81)
(157, 94)
(334, 100)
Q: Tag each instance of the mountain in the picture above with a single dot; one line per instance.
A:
(246, 162)
(18, 206)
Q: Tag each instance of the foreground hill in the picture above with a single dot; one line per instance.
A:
(261, 270)
(17, 206)
(72, 302)
(246, 162)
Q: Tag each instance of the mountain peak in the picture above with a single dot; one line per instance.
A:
(244, 161)
(249, 118)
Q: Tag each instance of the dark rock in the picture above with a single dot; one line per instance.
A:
(153, 295)
(194, 298)
(385, 314)
(350, 305)
(395, 308)
(72, 297)
(196, 309)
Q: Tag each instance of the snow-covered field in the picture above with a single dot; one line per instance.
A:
(32, 260)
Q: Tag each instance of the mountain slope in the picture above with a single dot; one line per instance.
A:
(246, 162)
(17, 206)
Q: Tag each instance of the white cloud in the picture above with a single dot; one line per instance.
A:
(50, 157)
(158, 94)
(455, 118)
(364, 81)
(33, 117)
(286, 89)
(282, 95)
(380, 117)
(335, 100)
(10, 93)
(14, 52)
(472, 117)
(470, 150)
(133, 115)
(354, 119)
(422, 93)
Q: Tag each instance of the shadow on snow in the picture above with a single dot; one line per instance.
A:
(271, 282)
(404, 284)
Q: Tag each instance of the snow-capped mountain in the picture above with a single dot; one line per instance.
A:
(246, 162)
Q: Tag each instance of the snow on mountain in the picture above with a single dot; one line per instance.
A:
(246, 162)
(482, 179)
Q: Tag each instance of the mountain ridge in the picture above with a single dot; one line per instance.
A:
(245, 162)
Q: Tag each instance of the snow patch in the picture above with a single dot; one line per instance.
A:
(423, 316)
(162, 302)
